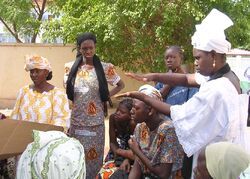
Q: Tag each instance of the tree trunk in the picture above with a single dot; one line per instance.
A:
(11, 31)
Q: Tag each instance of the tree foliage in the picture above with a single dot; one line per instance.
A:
(133, 34)
(22, 18)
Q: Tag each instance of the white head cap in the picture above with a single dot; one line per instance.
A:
(210, 34)
(150, 91)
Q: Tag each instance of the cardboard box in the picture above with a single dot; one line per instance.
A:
(15, 135)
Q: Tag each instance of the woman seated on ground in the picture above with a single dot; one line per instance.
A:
(52, 155)
(120, 128)
(41, 101)
(155, 144)
(221, 160)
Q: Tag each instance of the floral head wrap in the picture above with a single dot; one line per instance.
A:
(150, 91)
(36, 61)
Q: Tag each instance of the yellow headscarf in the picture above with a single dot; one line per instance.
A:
(226, 160)
(36, 61)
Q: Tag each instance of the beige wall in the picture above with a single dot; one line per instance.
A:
(13, 76)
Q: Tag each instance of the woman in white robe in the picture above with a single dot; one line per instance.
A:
(217, 112)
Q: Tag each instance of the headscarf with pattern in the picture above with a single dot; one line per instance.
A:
(36, 61)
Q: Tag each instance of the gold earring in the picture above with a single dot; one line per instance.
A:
(214, 64)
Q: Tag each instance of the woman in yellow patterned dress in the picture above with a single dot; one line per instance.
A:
(87, 88)
(41, 101)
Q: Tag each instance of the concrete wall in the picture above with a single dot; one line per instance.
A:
(239, 64)
(13, 76)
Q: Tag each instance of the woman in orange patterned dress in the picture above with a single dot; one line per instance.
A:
(155, 144)
(87, 88)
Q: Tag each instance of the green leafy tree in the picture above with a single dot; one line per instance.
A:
(239, 12)
(134, 33)
(22, 18)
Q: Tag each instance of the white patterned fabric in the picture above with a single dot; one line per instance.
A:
(150, 91)
(210, 34)
(52, 155)
(38, 62)
(109, 69)
(50, 107)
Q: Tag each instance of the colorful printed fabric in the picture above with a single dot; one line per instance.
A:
(52, 155)
(111, 164)
(92, 139)
(38, 62)
(122, 141)
(160, 145)
(107, 170)
(87, 118)
(50, 107)
(87, 101)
